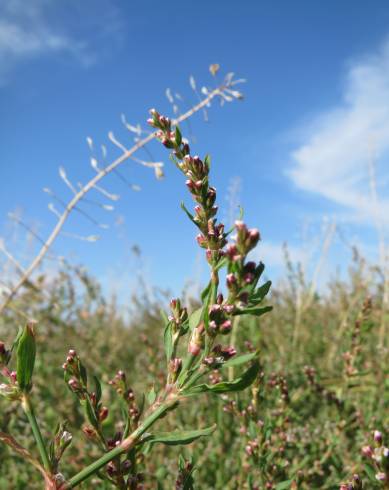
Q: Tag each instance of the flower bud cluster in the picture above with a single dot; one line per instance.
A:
(220, 318)
(212, 236)
(76, 377)
(328, 395)
(62, 440)
(119, 383)
(354, 484)
(219, 355)
(378, 455)
(243, 276)
(75, 374)
(179, 314)
(279, 381)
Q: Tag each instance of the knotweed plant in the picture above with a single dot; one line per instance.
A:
(198, 351)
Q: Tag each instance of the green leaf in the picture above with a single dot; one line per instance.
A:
(26, 351)
(260, 293)
(205, 292)
(168, 341)
(195, 318)
(178, 136)
(284, 485)
(190, 215)
(90, 413)
(238, 360)
(370, 473)
(97, 388)
(207, 161)
(238, 384)
(254, 311)
(151, 396)
(179, 437)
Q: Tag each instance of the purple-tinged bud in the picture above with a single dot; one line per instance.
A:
(198, 210)
(250, 267)
(385, 452)
(244, 297)
(248, 278)
(176, 365)
(254, 236)
(239, 225)
(65, 366)
(367, 451)
(212, 327)
(103, 413)
(214, 309)
(201, 240)
(231, 251)
(72, 353)
(151, 122)
(198, 184)
(229, 309)
(377, 437)
(2, 348)
(13, 376)
(209, 255)
(228, 352)
(73, 384)
(189, 184)
(121, 375)
(186, 149)
(380, 476)
(111, 469)
(226, 327)
(231, 280)
(219, 299)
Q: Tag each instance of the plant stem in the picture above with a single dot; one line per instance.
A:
(125, 445)
(29, 411)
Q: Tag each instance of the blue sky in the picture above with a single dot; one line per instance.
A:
(316, 109)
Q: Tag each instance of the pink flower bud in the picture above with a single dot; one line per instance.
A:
(194, 349)
(367, 451)
(231, 280)
(377, 437)
(103, 413)
(381, 476)
(226, 327)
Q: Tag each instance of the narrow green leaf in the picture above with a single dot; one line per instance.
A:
(284, 485)
(26, 351)
(168, 341)
(254, 311)
(90, 413)
(179, 437)
(178, 136)
(97, 388)
(195, 318)
(190, 215)
(238, 384)
(151, 396)
(238, 360)
(205, 292)
(260, 293)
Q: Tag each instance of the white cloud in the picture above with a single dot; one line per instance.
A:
(333, 160)
(27, 31)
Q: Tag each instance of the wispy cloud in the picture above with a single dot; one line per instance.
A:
(333, 158)
(27, 31)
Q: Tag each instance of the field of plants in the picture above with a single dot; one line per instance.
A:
(248, 386)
